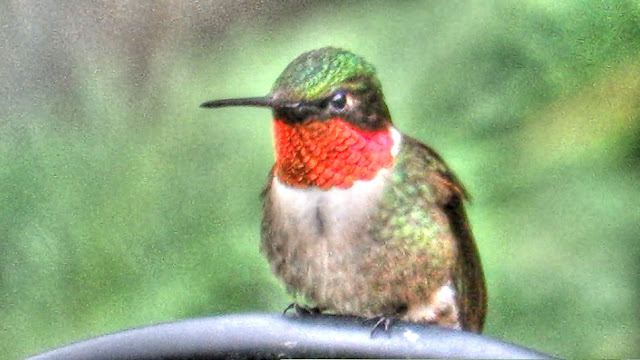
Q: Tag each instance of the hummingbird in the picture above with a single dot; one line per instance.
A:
(359, 218)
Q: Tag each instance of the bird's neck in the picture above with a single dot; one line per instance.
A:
(331, 153)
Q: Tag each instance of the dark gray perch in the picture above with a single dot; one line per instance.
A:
(270, 336)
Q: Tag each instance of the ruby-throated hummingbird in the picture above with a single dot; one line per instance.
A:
(358, 217)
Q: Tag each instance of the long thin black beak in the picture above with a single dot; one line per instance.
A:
(294, 111)
(263, 101)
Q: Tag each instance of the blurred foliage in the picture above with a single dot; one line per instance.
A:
(124, 204)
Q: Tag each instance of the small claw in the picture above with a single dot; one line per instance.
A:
(289, 307)
(382, 322)
(302, 310)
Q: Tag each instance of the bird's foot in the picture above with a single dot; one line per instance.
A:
(302, 310)
(382, 323)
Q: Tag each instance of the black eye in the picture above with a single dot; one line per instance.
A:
(338, 101)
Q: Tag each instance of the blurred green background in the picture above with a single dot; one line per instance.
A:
(124, 204)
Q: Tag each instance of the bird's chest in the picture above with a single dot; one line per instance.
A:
(327, 218)
(314, 236)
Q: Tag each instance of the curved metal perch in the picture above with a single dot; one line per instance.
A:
(272, 336)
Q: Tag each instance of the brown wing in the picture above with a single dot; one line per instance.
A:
(469, 281)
